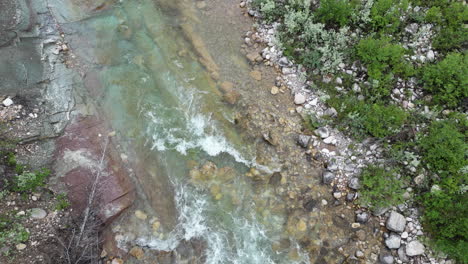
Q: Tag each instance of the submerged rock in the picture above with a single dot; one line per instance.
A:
(275, 178)
(327, 177)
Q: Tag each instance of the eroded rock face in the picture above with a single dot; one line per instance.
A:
(77, 162)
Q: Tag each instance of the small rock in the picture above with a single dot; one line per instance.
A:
(430, 55)
(7, 102)
(337, 195)
(322, 132)
(414, 248)
(38, 213)
(117, 261)
(339, 80)
(252, 56)
(299, 99)
(330, 112)
(140, 215)
(359, 254)
(362, 217)
(354, 183)
(242, 4)
(356, 88)
(350, 196)
(355, 225)
(283, 61)
(396, 222)
(393, 241)
(327, 177)
(402, 254)
(274, 90)
(310, 205)
(156, 225)
(303, 140)
(404, 235)
(386, 258)
(137, 252)
(275, 178)
(330, 140)
(201, 4)
(20, 246)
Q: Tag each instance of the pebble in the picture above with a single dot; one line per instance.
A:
(404, 235)
(359, 254)
(337, 195)
(328, 177)
(362, 217)
(140, 215)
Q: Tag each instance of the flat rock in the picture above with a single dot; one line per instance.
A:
(393, 241)
(38, 213)
(396, 222)
(299, 99)
(20, 246)
(414, 248)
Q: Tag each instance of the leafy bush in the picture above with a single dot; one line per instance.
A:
(383, 60)
(447, 80)
(385, 15)
(450, 19)
(11, 232)
(29, 181)
(444, 148)
(380, 188)
(334, 13)
(381, 121)
(62, 202)
(270, 9)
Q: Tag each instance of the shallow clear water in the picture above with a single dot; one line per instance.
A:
(160, 96)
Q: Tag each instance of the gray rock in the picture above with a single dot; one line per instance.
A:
(354, 183)
(396, 222)
(356, 88)
(379, 211)
(327, 177)
(386, 258)
(322, 132)
(283, 61)
(393, 241)
(430, 55)
(303, 141)
(350, 196)
(7, 102)
(299, 99)
(414, 248)
(38, 213)
(402, 254)
(330, 112)
(362, 217)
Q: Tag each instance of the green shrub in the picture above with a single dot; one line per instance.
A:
(270, 9)
(29, 181)
(383, 60)
(334, 13)
(385, 15)
(62, 202)
(380, 188)
(447, 80)
(451, 20)
(444, 148)
(381, 121)
(11, 231)
(445, 217)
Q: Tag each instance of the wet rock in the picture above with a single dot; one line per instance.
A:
(137, 252)
(201, 4)
(386, 258)
(7, 102)
(362, 217)
(271, 137)
(230, 95)
(38, 213)
(301, 226)
(310, 205)
(252, 56)
(414, 248)
(396, 222)
(393, 241)
(275, 178)
(354, 183)
(299, 98)
(327, 177)
(322, 132)
(256, 75)
(303, 140)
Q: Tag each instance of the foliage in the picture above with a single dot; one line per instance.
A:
(450, 19)
(447, 80)
(29, 181)
(334, 13)
(385, 15)
(384, 60)
(381, 121)
(380, 188)
(62, 202)
(444, 148)
(11, 231)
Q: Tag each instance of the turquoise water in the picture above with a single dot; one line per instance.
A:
(159, 94)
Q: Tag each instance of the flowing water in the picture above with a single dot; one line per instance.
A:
(159, 93)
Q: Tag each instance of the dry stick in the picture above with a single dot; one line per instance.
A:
(92, 194)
